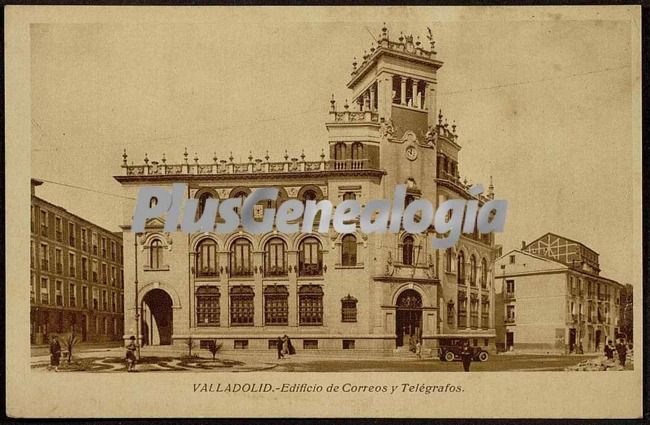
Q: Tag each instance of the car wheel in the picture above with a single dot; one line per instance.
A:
(449, 356)
(483, 356)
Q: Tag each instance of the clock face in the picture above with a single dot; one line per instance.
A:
(411, 153)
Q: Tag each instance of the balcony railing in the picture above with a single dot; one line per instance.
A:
(275, 272)
(207, 272)
(241, 272)
(509, 320)
(310, 270)
(509, 295)
(348, 164)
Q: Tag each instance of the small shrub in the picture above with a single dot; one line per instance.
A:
(214, 347)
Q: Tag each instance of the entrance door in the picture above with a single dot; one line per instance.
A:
(598, 337)
(510, 340)
(408, 326)
(572, 340)
(158, 317)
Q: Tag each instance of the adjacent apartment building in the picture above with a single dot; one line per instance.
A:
(376, 292)
(551, 297)
(76, 279)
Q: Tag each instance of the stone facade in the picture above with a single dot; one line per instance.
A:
(374, 292)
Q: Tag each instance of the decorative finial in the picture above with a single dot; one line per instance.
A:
(286, 155)
(146, 159)
(446, 123)
(465, 181)
(401, 37)
(365, 55)
(267, 156)
(322, 154)
(124, 157)
(453, 127)
(214, 158)
(440, 117)
(231, 158)
(250, 156)
(346, 106)
(372, 49)
(196, 157)
(417, 42)
(384, 29)
(333, 103)
(302, 155)
(164, 160)
(354, 63)
(185, 154)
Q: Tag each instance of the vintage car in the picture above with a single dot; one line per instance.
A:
(450, 349)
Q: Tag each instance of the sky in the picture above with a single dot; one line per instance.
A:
(542, 105)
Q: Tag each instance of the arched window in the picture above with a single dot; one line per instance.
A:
(349, 250)
(460, 268)
(309, 195)
(339, 151)
(203, 198)
(275, 258)
(449, 260)
(349, 309)
(310, 305)
(241, 261)
(276, 306)
(310, 261)
(484, 273)
(357, 151)
(207, 306)
(206, 259)
(407, 251)
(155, 254)
(472, 270)
(242, 307)
(153, 202)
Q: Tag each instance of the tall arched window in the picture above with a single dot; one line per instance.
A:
(339, 151)
(472, 270)
(349, 250)
(310, 305)
(357, 151)
(206, 259)
(242, 306)
(276, 306)
(460, 268)
(155, 254)
(207, 306)
(203, 198)
(484, 273)
(275, 257)
(348, 309)
(309, 195)
(407, 251)
(310, 261)
(241, 261)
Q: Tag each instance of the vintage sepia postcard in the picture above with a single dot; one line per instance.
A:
(415, 212)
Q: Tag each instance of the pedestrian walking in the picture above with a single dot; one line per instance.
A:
(621, 349)
(55, 353)
(279, 344)
(418, 349)
(466, 356)
(609, 350)
(130, 354)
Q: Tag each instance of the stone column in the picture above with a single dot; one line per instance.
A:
(373, 95)
(414, 94)
(403, 92)
(258, 301)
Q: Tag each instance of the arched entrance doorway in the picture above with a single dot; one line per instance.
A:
(157, 318)
(408, 324)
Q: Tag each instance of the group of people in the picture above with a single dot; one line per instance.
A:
(620, 350)
(284, 346)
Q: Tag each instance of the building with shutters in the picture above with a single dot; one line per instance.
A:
(76, 276)
(551, 297)
(374, 292)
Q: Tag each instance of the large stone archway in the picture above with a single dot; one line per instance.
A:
(157, 321)
(408, 318)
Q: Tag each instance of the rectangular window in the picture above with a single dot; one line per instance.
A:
(94, 243)
(104, 300)
(310, 344)
(94, 271)
(32, 254)
(310, 304)
(207, 306)
(72, 295)
(58, 259)
(348, 309)
(510, 314)
(32, 219)
(276, 306)
(59, 293)
(113, 276)
(113, 250)
(58, 229)
(241, 306)
(241, 344)
(32, 287)
(103, 247)
(104, 273)
(84, 296)
(72, 263)
(512, 259)
(84, 268)
(72, 240)
(348, 344)
(510, 288)
(44, 223)
(45, 291)
(95, 299)
(45, 264)
(84, 239)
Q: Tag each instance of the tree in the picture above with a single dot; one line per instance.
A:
(69, 342)
(191, 343)
(214, 347)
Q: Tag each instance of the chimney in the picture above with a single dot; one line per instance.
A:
(523, 245)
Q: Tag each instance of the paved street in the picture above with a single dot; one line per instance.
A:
(108, 358)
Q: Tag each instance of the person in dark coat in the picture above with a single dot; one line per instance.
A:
(130, 354)
(55, 353)
(609, 350)
(621, 349)
(466, 356)
(279, 348)
(289, 345)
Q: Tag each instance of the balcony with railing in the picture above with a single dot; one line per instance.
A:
(310, 270)
(241, 271)
(509, 295)
(509, 319)
(207, 272)
(275, 271)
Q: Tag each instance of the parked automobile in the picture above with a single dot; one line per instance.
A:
(450, 349)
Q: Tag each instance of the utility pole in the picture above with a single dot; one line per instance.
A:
(137, 310)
